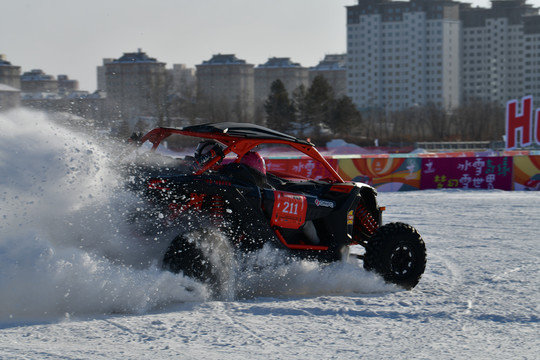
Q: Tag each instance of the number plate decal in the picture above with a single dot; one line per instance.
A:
(289, 210)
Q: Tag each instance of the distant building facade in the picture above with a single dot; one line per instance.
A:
(10, 84)
(228, 84)
(67, 85)
(9, 74)
(334, 69)
(184, 80)
(501, 51)
(91, 107)
(101, 79)
(136, 86)
(10, 97)
(404, 54)
(291, 74)
(37, 81)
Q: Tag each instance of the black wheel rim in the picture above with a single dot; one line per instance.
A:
(402, 260)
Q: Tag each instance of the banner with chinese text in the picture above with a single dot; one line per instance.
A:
(467, 173)
(302, 167)
(515, 172)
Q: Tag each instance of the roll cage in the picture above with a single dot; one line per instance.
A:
(239, 138)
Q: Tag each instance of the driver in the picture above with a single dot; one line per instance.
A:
(256, 165)
(255, 161)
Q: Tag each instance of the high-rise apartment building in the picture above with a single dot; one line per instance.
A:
(183, 79)
(101, 79)
(37, 81)
(333, 68)
(501, 51)
(228, 83)
(531, 66)
(291, 74)
(10, 84)
(403, 54)
(10, 97)
(136, 85)
(10, 75)
(67, 85)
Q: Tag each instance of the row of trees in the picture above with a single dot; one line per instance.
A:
(475, 121)
(312, 111)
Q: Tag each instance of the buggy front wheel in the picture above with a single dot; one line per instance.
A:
(398, 253)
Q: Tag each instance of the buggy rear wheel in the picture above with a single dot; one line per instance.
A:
(203, 255)
(184, 256)
(398, 253)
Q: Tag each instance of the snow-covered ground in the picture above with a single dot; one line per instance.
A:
(73, 285)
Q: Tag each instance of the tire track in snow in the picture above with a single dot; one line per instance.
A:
(13, 352)
(224, 310)
(270, 345)
(126, 331)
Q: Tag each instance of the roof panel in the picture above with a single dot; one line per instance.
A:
(243, 130)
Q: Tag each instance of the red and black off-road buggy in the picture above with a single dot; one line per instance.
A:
(213, 187)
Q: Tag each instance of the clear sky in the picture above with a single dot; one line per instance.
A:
(73, 36)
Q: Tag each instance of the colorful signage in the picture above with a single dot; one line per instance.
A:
(512, 172)
(384, 173)
(467, 173)
(520, 131)
(527, 173)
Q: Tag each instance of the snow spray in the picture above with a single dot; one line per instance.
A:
(63, 248)
(272, 272)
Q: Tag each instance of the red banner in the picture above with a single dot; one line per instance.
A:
(304, 167)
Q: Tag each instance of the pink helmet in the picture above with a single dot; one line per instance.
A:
(254, 160)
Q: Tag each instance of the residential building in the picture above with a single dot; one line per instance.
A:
(10, 84)
(136, 86)
(10, 97)
(531, 66)
(80, 104)
(184, 80)
(228, 84)
(501, 51)
(37, 81)
(101, 79)
(9, 74)
(291, 74)
(333, 68)
(404, 54)
(66, 85)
